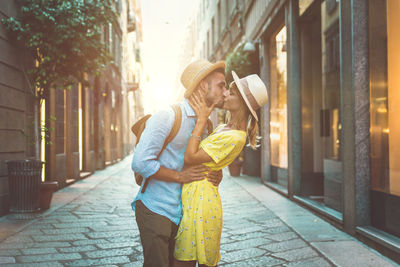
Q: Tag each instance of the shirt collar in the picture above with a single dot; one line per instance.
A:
(188, 109)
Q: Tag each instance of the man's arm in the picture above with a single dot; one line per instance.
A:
(151, 142)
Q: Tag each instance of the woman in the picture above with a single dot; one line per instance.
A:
(199, 235)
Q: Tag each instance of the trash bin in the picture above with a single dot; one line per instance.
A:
(24, 179)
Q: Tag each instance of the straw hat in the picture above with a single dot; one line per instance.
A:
(197, 71)
(253, 91)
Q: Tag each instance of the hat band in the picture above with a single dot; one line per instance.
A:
(249, 95)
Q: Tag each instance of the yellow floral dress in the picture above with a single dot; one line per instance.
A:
(200, 229)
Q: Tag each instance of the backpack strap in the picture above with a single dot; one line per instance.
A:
(174, 131)
(176, 126)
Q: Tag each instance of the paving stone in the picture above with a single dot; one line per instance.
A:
(111, 234)
(52, 245)
(49, 257)
(4, 260)
(18, 239)
(134, 264)
(139, 248)
(35, 251)
(352, 253)
(258, 261)
(65, 219)
(109, 252)
(242, 254)
(65, 231)
(106, 228)
(102, 261)
(41, 264)
(77, 249)
(245, 230)
(263, 216)
(88, 242)
(313, 262)
(39, 226)
(30, 232)
(137, 257)
(101, 217)
(15, 245)
(296, 254)
(277, 230)
(9, 252)
(34, 245)
(118, 245)
(123, 222)
(79, 224)
(284, 246)
(64, 237)
(123, 239)
(273, 223)
(283, 236)
(249, 243)
(232, 223)
(248, 236)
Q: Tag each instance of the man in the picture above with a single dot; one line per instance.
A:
(159, 209)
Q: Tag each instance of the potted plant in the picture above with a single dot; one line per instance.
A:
(236, 166)
(46, 193)
(62, 41)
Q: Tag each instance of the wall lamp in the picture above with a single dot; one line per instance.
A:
(250, 47)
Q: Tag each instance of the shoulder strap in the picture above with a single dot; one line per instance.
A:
(176, 126)
(174, 131)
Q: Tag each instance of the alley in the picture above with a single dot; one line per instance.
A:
(91, 223)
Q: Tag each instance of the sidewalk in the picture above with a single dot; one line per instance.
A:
(91, 223)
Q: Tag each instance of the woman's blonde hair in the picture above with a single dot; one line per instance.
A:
(245, 114)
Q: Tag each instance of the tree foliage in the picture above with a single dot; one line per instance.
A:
(242, 62)
(64, 39)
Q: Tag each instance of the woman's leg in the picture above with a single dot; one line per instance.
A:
(184, 263)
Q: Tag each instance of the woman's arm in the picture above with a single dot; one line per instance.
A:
(194, 154)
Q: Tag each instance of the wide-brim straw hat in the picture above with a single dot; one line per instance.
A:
(253, 91)
(197, 71)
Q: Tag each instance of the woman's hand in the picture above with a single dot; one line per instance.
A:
(198, 102)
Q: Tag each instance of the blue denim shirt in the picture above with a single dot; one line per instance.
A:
(161, 197)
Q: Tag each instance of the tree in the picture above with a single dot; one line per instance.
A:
(63, 37)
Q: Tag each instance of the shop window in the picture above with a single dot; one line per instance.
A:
(278, 108)
(322, 169)
(384, 56)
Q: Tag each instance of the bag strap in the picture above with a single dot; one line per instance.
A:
(174, 131)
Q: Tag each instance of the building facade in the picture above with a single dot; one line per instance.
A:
(91, 121)
(329, 132)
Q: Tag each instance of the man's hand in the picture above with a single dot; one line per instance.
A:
(192, 173)
(215, 177)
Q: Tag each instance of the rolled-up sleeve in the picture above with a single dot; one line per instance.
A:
(151, 142)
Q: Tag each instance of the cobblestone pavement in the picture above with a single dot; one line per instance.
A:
(91, 223)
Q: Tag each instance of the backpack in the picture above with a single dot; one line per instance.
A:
(139, 126)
